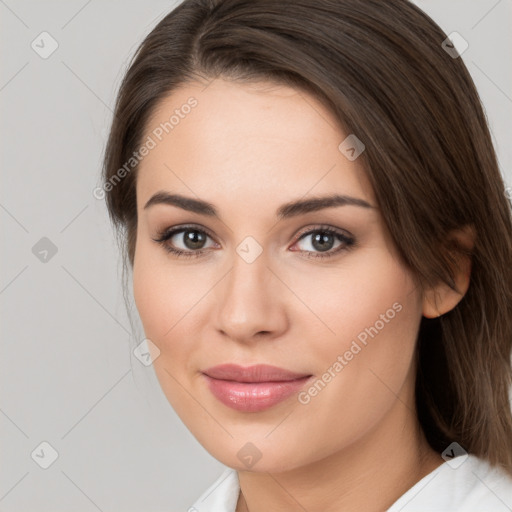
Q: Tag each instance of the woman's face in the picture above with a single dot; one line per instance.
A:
(255, 287)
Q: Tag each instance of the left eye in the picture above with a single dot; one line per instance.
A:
(323, 241)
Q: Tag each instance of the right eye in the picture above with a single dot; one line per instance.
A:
(191, 237)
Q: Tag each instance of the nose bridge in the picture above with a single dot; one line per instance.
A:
(248, 300)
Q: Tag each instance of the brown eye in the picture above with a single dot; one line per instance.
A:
(323, 240)
(192, 240)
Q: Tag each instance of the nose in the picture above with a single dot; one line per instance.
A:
(251, 302)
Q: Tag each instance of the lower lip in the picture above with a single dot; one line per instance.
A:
(253, 396)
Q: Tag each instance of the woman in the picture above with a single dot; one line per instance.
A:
(320, 239)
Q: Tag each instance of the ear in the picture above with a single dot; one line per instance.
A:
(440, 299)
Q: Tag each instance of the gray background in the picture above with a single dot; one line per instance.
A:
(67, 374)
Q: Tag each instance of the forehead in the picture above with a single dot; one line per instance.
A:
(230, 137)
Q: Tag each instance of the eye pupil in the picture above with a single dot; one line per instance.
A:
(323, 241)
(193, 239)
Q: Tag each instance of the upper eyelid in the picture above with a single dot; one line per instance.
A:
(321, 227)
(192, 227)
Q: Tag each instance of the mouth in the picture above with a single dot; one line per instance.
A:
(255, 388)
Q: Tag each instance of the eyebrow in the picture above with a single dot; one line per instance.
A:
(287, 210)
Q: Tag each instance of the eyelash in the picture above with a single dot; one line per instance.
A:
(166, 234)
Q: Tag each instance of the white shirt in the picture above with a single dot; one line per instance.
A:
(458, 485)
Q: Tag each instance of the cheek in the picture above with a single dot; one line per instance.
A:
(370, 289)
(162, 305)
(170, 299)
(372, 311)
(156, 291)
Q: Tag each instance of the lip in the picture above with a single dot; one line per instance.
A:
(254, 388)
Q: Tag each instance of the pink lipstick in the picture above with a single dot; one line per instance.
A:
(254, 388)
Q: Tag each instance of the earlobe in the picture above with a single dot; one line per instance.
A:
(440, 299)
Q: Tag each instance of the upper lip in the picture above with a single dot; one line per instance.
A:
(255, 373)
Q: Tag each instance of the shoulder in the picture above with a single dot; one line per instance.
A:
(464, 484)
(221, 495)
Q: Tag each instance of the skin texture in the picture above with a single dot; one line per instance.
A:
(248, 149)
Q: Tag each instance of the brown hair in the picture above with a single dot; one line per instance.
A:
(381, 69)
